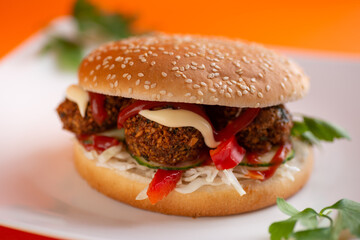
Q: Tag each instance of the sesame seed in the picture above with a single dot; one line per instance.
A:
(187, 66)
(187, 94)
(230, 90)
(257, 105)
(239, 93)
(113, 76)
(94, 79)
(196, 86)
(216, 85)
(108, 76)
(143, 60)
(170, 94)
(137, 83)
(131, 63)
(146, 87)
(267, 88)
(119, 59)
(125, 74)
(285, 79)
(123, 65)
(225, 78)
(92, 72)
(140, 74)
(194, 63)
(261, 75)
(175, 68)
(188, 80)
(162, 92)
(228, 95)
(106, 66)
(212, 90)
(216, 99)
(152, 63)
(200, 93)
(130, 90)
(252, 80)
(98, 67)
(282, 85)
(177, 57)
(182, 69)
(164, 74)
(153, 85)
(173, 62)
(203, 84)
(112, 66)
(128, 77)
(147, 82)
(111, 85)
(260, 95)
(281, 97)
(245, 92)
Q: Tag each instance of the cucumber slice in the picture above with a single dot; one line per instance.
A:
(181, 166)
(288, 158)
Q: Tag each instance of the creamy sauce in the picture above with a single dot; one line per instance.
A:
(78, 95)
(182, 118)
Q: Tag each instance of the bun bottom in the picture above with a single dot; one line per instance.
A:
(207, 201)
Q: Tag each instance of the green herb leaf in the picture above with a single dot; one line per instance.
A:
(348, 218)
(90, 18)
(313, 234)
(313, 130)
(324, 130)
(286, 207)
(68, 53)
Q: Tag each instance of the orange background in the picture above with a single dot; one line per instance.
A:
(322, 25)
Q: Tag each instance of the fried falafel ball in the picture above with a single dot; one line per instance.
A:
(272, 126)
(162, 144)
(72, 120)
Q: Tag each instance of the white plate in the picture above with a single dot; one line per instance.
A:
(41, 192)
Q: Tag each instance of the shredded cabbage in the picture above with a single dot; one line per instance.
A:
(120, 160)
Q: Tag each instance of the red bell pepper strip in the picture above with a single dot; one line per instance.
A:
(162, 184)
(276, 161)
(98, 107)
(228, 154)
(97, 143)
(238, 124)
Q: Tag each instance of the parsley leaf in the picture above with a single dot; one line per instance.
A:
(348, 218)
(314, 130)
(88, 17)
(93, 28)
(68, 52)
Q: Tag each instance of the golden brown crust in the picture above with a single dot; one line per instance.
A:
(207, 201)
(180, 68)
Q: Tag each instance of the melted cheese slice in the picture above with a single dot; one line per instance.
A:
(78, 95)
(182, 118)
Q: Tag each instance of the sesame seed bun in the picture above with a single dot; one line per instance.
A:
(206, 201)
(193, 69)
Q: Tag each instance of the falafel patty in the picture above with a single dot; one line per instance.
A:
(162, 144)
(72, 120)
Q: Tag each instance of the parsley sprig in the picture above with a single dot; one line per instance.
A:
(348, 218)
(93, 27)
(313, 130)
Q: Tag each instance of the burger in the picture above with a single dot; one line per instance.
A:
(187, 125)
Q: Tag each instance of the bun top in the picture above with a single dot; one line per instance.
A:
(193, 69)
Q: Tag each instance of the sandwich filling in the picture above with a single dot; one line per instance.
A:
(179, 138)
